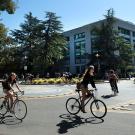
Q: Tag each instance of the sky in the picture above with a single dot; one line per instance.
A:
(73, 13)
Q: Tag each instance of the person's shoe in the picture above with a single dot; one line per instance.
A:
(115, 93)
(1, 106)
(83, 111)
(11, 111)
(88, 95)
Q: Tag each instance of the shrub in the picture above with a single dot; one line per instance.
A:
(58, 81)
(75, 80)
(51, 81)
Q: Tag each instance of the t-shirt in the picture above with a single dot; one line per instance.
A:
(88, 78)
(8, 83)
(113, 78)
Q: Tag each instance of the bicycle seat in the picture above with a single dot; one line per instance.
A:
(91, 90)
(77, 90)
(15, 94)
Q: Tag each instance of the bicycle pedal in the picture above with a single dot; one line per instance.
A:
(1, 107)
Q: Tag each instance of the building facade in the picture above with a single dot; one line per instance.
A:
(80, 44)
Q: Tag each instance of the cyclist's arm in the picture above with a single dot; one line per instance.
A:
(1, 81)
(17, 87)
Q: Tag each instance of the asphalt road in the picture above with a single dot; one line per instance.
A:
(48, 116)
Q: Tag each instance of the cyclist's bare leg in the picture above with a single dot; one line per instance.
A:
(84, 97)
(10, 96)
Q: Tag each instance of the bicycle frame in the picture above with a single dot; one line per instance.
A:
(89, 98)
(9, 107)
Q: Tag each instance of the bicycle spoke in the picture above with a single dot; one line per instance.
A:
(98, 108)
(3, 108)
(20, 109)
(73, 106)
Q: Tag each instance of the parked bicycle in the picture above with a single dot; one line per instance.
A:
(97, 107)
(19, 107)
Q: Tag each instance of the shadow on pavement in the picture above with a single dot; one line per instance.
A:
(72, 121)
(107, 96)
(9, 120)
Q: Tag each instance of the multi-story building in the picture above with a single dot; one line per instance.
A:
(80, 43)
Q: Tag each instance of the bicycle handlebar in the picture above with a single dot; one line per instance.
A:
(16, 93)
(91, 90)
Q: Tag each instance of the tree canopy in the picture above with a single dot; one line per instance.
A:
(41, 40)
(7, 5)
(114, 52)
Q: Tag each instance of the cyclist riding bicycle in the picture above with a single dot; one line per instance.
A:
(7, 87)
(87, 78)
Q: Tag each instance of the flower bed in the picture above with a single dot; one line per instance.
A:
(61, 80)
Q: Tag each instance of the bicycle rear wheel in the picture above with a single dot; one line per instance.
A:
(73, 106)
(3, 108)
(98, 108)
(20, 109)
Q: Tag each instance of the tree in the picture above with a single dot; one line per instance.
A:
(105, 40)
(53, 42)
(125, 56)
(41, 40)
(27, 38)
(3, 42)
(7, 5)
(108, 42)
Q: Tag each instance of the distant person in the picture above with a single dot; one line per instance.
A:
(129, 76)
(113, 79)
(30, 77)
(37, 76)
(5, 76)
(47, 75)
(22, 77)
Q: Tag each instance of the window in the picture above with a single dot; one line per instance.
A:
(79, 36)
(80, 52)
(123, 31)
(67, 52)
(127, 40)
(134, 44)
(82, 69)
(133, 33)
(78, 69)
(67, 38)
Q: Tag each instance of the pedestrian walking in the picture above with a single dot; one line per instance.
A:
(113, 79)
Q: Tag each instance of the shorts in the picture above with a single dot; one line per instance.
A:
(5, 90)
(84, 85)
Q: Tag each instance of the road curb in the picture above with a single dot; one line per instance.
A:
(49, 96)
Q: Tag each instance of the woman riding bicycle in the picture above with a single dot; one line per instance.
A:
(87, 77)
(7, 87)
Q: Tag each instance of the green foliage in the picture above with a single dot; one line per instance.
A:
(125, 54)
(108, 43)
(7, 5)
(105, 40)
(41, 39)
(3, 34)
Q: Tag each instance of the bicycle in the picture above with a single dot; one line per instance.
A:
(97, 107)
(19, 107)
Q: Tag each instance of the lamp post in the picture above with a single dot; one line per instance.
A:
(25, 66)
(98, 64)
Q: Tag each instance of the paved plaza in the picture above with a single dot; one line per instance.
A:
(47, 114)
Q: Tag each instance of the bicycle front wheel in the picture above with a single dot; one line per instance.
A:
(20, 109)
(73, 106)
(3, 108)
(98, 108)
